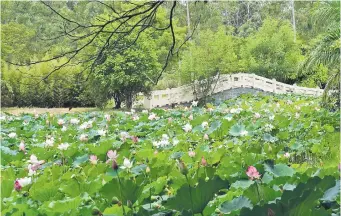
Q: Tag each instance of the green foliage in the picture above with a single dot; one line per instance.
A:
(272, 52)
(302, 182)
(25, 87)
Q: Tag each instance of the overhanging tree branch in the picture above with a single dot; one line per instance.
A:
(108, 34)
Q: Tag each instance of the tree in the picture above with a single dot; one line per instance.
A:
(124, 73)
(272, 52)
(327, 51)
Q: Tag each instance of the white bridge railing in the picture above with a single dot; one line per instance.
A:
(185, 94)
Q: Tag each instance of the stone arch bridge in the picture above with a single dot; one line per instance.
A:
(228, 84)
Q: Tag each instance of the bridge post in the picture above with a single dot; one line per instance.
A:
(274, 85)
(253, 80)
(147, 103)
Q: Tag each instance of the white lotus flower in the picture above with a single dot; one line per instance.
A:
(127, 164)
(2, 117)
(194, 103)
(233, 110)
(64, 128)
(204, 124)
(165, 137)
(187, 127)
(228, 118)
(124, 135)
(101, 132)
(297, 115)
(74, 121)
(49, 142)
(239, 110)
(243, 133)
(63, 146)
(268, 127)
(12, 135)
(83, 137)
(175, 142)
(144, 111)
(257, 115)
(83, 126)
(152, 116)
(206, 137)
(271, 117)
(61, 121)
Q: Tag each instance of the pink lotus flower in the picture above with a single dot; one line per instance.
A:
(190, 117)
(112, 155)
(135, 139)
(93, 159)
(35, 162)
(203, 161)
(22, 182)
(191, 154)
(107, 117)
(22, 146)
(17, 185)
(286, 155)
(135, 118)
(252, 173)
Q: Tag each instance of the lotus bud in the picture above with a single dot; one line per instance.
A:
(129, 204)
(183, 168)
(270, 149)
(96, 211)
(114, 165)
(239, 151)
(203, 161)
(114, 200)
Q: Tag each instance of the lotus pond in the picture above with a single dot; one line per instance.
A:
(253, 155)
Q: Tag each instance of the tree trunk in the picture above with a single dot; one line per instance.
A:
(293, 18)
(117, 101)
(129, 101)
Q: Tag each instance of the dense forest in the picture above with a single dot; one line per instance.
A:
(48, 50)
